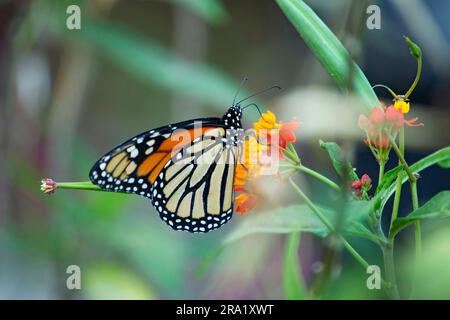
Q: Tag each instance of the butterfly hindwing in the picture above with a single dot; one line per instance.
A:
(194, 191)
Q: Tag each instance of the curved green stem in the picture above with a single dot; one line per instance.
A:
(393, 94)
(316, 175)
(417, 78)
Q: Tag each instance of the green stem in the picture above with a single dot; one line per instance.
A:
(381, 171)
(316, 175)
(393, 94)
(400, 151)
(330, 228)
(389, 265)
(323, 278)
(395, 206)
(398, 182)
(416, 80)
(415, 202)
(388, 249)
(291, 153)
(312, 206)
(417, 233)
(85, 185)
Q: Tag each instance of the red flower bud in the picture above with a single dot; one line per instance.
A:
(356, 185)
(366, 181)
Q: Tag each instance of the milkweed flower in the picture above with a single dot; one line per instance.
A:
(275, 134)
(261, 150)
(245, 202)
(382, 123)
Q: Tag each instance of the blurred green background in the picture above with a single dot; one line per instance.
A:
(68, 96)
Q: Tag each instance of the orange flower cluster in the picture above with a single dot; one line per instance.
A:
(268, 141)
(380, 124)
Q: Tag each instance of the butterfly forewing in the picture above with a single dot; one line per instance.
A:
(133, 166)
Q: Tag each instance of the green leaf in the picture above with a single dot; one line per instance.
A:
(340, 163)
(388, 178)
(290, 219)
(292, 282)
(356, 214)
(441, 157)
(296, 218)
(444, 163)
(437, 207)
(329, 50)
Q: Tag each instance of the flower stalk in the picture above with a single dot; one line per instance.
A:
(417, 53)
(315, 174)
(49, 186)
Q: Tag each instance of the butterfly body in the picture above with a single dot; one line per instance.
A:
(186, 169)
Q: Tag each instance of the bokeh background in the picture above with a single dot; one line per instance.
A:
(67, 97)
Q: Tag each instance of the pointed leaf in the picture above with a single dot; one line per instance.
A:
(329, 50)
(437, 207)
(340, 163)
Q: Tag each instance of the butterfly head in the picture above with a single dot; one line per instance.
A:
(233, 117)
(233, 124)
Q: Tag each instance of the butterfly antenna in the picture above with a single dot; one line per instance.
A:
(260, 92)
(239, 89)
(253, 105)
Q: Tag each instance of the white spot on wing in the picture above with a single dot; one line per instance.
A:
(134, 153)
(149, 150)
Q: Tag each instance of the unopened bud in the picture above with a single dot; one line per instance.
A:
(366, 181)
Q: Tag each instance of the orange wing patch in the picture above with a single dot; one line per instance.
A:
(154, 163)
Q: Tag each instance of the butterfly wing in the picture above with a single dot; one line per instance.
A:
(187, 169)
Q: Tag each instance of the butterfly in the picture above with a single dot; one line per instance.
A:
(186, 169)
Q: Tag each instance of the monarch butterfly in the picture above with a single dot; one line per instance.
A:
(186, 169)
